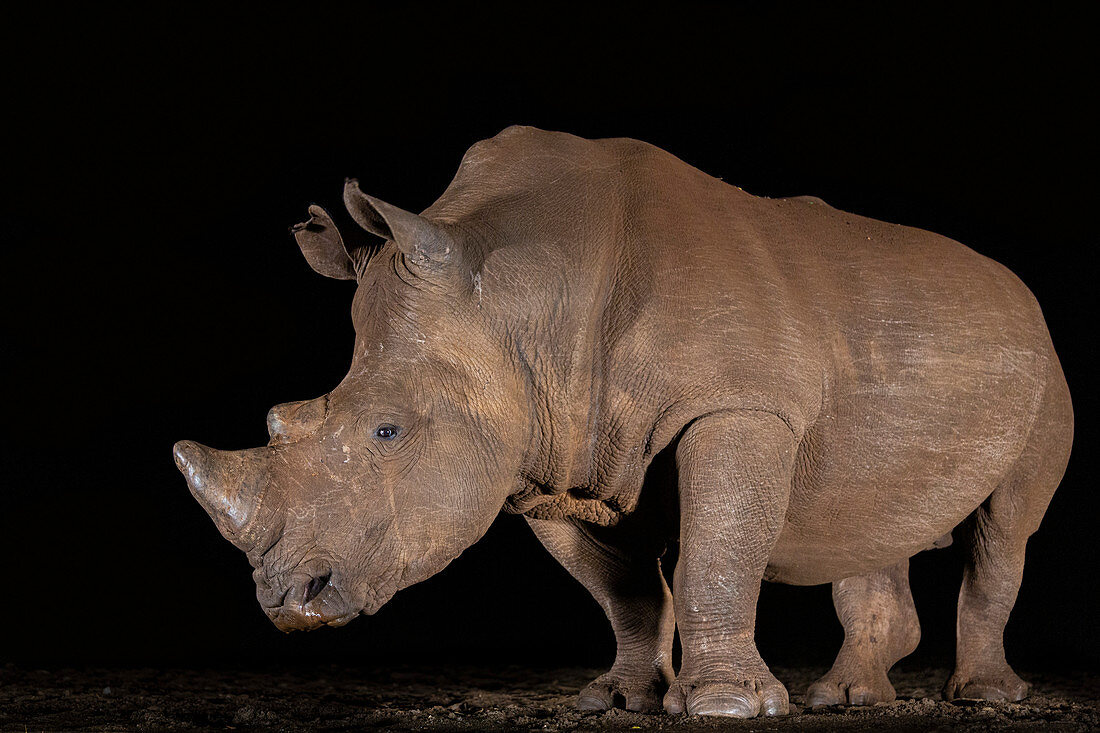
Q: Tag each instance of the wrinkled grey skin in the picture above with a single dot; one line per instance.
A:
(837, 394)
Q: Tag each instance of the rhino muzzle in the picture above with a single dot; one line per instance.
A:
(230, 486)
(309, 601)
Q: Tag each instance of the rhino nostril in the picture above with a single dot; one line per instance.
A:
(316, 585)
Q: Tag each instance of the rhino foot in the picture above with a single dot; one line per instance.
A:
(866, 688)
(738, 698)
(1003, 684)
(618, 690)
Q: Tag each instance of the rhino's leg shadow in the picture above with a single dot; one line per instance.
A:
(626, 580)
(880, 627)
(735, 472)
(995, 537)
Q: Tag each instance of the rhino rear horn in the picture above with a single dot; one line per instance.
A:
(419, 239)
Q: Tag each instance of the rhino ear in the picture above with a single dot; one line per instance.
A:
(323, 246)
(419, 239)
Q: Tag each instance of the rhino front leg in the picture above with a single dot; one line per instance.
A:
(735, 477)
(880, 627)
(625, 579)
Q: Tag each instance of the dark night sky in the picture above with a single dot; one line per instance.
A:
(152, 293)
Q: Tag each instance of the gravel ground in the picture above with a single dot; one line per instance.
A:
(467, 699)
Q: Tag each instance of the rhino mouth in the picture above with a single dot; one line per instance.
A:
(307, 602)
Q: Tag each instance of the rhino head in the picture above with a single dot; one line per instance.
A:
(384, 480)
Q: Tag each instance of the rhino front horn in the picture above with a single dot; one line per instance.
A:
(228, 484)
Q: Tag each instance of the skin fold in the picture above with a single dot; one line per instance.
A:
(630, 353)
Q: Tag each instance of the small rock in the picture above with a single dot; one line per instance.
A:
(106, 690)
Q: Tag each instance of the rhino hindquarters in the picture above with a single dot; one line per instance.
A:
(995, 542)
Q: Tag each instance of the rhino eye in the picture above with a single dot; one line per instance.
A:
(386, 432)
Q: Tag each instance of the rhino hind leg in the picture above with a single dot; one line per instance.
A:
(995, 543)
(880, 627)
(626, 580)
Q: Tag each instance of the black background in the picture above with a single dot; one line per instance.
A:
(151, 291)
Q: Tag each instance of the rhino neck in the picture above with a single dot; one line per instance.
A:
(562, 276)
(559, 321)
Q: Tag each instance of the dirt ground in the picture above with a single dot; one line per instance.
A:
(468, 699)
